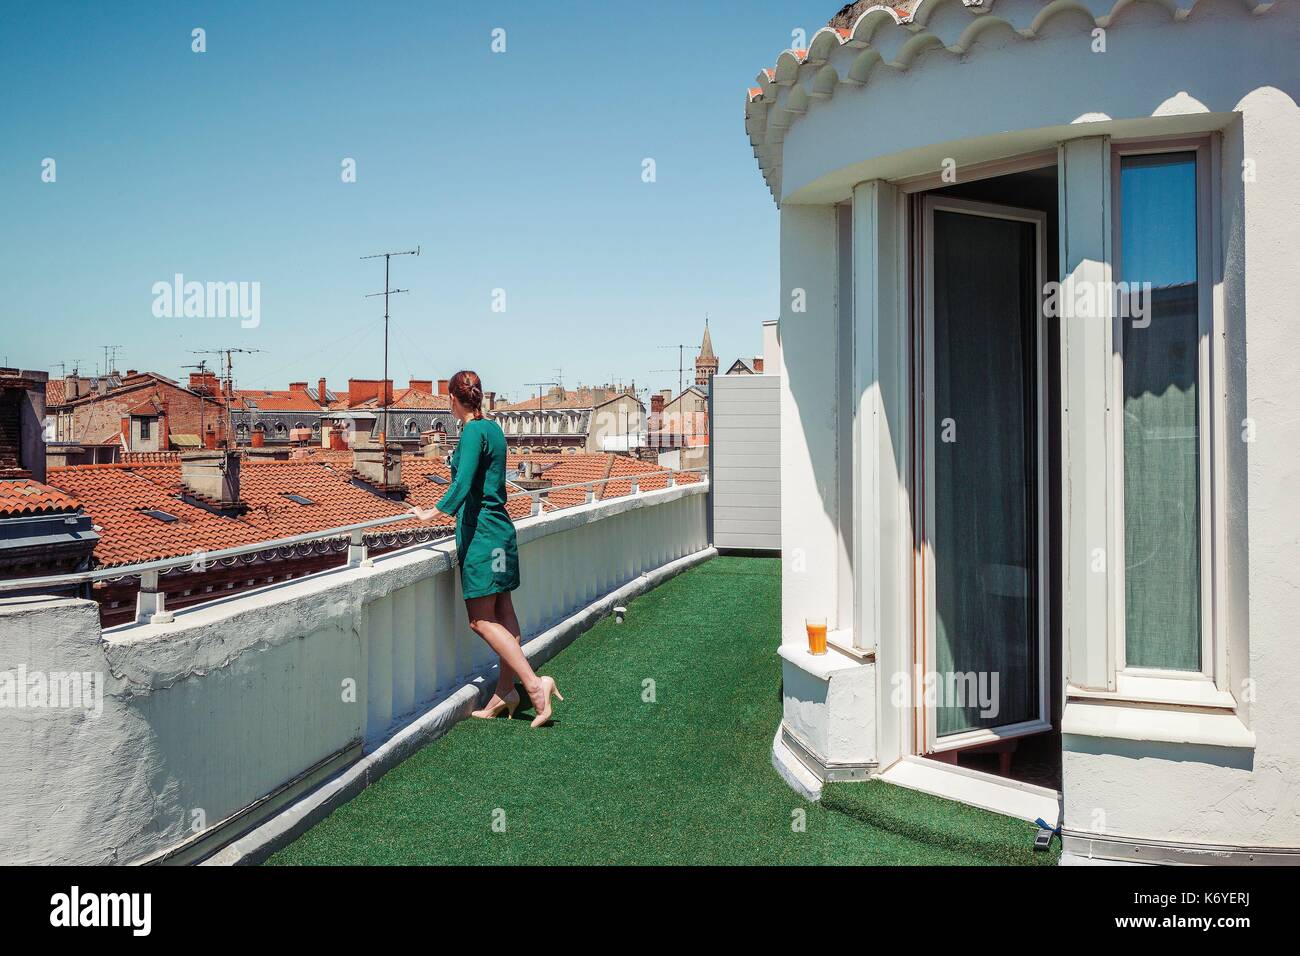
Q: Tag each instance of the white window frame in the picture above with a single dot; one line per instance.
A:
(927, 731)
(1210, 685)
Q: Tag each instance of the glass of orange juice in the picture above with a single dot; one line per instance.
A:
(816, 634)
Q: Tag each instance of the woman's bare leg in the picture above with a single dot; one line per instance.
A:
(505, 612)
(483, 622)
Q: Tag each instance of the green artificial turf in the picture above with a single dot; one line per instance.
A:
(673, 771)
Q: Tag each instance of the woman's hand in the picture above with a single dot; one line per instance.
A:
(425, 514)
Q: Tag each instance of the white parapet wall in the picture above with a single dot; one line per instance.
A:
(192, 732)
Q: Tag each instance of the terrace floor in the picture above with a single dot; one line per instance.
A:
(673, 772)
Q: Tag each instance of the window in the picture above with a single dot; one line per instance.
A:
(299, 499)
(159, 515)
(144, 428)
(1163, 331)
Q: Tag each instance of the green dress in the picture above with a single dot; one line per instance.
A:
(485, 536)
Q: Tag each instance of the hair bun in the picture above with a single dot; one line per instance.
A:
(468, 389)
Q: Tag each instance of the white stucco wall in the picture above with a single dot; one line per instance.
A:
(810, 520)
(1220, 795)
(236, 698)
(1026, 79)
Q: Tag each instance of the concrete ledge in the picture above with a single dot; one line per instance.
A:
(1090, 848)
(825, 771)
(299, 816)
(828, 712)
(1161, 725)
(797, 777)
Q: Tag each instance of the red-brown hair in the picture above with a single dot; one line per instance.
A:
(468, 389)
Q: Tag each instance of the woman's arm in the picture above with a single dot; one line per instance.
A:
(468, 450)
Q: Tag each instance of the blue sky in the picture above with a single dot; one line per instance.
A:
(518, 171)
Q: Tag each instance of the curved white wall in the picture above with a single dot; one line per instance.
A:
(1218, 68)
(1008, 94)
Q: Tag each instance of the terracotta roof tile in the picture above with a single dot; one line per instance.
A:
(24, 496)
(117, 496)
(574, 469)
(275, 401)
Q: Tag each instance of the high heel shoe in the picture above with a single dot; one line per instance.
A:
(509, 703)
(544, 713)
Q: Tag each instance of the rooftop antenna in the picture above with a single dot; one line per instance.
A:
(540, 385)
(225, 356)
(656, 371)
(110, 363)
(681, 363)
(383, 385)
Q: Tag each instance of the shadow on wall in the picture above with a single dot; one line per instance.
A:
(1234, 758)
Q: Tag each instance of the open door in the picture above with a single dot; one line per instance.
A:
(982, 653)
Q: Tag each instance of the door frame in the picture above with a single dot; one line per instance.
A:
(924, 649)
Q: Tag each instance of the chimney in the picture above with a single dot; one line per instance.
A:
(758, 363)
(364, 389)
(211, 477)
(164, 429)
(421, 385)
(320, 391)
(489, 401)
(656, 403)
(380, 466)
(210, 439)
(298, 388)
(442, 386)
(258, 438)
(275, 453)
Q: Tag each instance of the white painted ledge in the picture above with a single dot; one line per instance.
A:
(818, 665)
(1162, 724)
(1146, 689)
(1011, 798)
(792, 770)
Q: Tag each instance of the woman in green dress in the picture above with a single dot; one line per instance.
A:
(486, 548)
